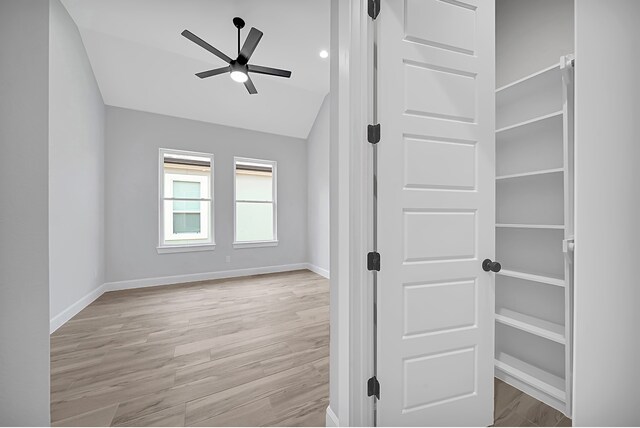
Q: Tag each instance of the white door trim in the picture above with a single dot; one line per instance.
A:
(350, 217)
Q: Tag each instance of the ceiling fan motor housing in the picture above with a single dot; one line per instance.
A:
(237, 66)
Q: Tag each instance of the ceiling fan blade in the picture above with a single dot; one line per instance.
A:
(250, 87)
(198, 41)
(268, 70)
(250, 45)
(214, 72)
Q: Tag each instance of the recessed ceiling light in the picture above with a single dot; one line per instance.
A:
(324, 54)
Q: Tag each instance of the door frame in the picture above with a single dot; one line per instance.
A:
(351, 199)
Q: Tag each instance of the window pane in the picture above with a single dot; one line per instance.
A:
(254, 221)
(186, 206)
(186, 189)
(186, 223)
(254, 186)
(187, 227)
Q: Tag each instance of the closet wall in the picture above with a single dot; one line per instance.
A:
(533, 197)
(607, 316)
(530, 36)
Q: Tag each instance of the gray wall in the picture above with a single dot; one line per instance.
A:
(531, 35)
(132, 142)
(76, 167)
(607, 231)
(24, 253)
(318, 188)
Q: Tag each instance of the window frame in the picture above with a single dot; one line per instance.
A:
(163, 245)
(274, 196)
(168, 226)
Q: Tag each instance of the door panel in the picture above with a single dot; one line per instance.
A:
(454, 378)
(451, 93)
(422, 302)
(442, 24)
(434, 235)
(432, 164)
(436, 212)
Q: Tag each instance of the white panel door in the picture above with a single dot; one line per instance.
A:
(436, 212)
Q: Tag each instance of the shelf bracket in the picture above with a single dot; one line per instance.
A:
(568, 247)
(567, 63)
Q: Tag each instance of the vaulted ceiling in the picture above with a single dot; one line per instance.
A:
(141, 61)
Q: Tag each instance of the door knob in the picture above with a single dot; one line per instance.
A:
(488, 265)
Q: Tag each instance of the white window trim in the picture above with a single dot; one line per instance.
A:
(182, 247)
(274, 183)
(255, 244)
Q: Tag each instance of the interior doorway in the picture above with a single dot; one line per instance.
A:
(447, 107)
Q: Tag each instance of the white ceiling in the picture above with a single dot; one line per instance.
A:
(141, 61)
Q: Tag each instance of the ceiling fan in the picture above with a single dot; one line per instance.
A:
(238, 68)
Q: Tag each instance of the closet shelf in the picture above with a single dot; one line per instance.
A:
(530, 121)
(551, 125)
(539, 379)
(530, 226)
(531, 174)
(531, 277)
(555, 68)
(549, 130)
(533, 325)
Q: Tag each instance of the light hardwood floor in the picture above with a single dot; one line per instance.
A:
(245, 351)
(514, 408)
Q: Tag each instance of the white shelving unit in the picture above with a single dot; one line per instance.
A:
(531, 277)
(531, 226)
(533, 325)
(531, 173)
(528, 377)
(534, 212)
(524, 124)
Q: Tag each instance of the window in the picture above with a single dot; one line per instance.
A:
(255, 208)
(186, 212)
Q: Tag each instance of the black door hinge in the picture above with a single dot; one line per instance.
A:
(373, 133)
(373, 387)
(374, 8)
(373, 261)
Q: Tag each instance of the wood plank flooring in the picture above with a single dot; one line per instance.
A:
(245, 351)
(514, 408)
(239, 352)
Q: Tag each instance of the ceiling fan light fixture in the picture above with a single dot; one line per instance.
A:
(239, 76)
(238, 68)
(239, 72)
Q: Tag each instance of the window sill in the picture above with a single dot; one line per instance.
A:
(185, 248)
(255, 244)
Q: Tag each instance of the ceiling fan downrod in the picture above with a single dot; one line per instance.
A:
(239, 23)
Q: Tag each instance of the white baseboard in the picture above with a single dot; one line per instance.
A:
(57, 321)
(318, 270)
(206, 276)
(64, 316)
(332, 419)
